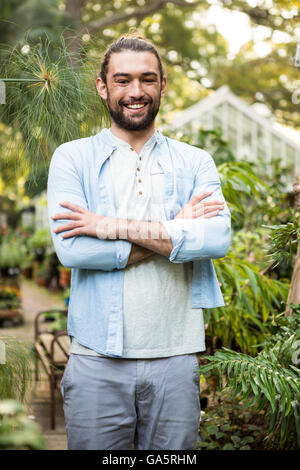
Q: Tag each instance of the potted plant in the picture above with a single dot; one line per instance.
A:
(41, 273)
(10, 304)
(39, 242)
(12, 252)
(58, 321)
(64, 277)
(17, 431)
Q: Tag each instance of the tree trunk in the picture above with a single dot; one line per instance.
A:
(74, 34)
(294, 292)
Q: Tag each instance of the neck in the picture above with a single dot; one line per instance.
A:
(136, 139)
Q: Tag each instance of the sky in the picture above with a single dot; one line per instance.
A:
(235, 27)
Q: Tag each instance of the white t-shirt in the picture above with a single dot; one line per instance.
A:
(158, 317)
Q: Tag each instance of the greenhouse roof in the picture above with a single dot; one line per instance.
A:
(250, 134)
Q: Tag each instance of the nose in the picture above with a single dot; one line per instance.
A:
(136, 89)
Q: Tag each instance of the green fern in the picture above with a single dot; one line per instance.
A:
(251, 299)
(239, 181)
(283, 240)
(269, 380)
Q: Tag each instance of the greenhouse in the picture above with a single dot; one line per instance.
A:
(250, 134)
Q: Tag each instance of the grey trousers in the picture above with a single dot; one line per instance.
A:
(117, 403)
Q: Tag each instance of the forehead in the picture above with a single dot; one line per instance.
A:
(133, 63)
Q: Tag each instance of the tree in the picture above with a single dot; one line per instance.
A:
(200, 54)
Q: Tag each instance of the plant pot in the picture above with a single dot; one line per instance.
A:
(65, 278)
(42, 282)
(27, 272)
(39, 254)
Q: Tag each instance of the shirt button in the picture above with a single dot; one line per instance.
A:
(138, 169)
(140, 158)
(139, 180)
(140, 192)
(131, 149)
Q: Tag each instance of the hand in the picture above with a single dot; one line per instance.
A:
(83, 222)
(196, 208)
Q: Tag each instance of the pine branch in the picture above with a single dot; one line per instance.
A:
(62, 105)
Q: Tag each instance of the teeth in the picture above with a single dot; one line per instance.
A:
(135, 106)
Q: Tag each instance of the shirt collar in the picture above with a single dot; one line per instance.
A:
(112, 142)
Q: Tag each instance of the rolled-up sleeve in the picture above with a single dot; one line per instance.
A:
(201, 238)
(84, 252)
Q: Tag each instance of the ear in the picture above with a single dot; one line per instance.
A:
(163, 86)
(101, 88)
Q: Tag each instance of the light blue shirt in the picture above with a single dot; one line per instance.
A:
(79, 173)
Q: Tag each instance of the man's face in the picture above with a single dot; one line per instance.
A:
(133, 89)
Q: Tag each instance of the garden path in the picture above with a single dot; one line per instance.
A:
(34, 299)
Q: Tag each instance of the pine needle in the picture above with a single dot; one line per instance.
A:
(16, 373)
(62, 106)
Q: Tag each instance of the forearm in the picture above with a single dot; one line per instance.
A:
(199, 238)
(86, 252)
(138, 253)
(91, 253)
(147, 234)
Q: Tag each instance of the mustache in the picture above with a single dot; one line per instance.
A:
(139, 100)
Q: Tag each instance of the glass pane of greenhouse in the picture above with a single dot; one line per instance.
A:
(290, 157)
(246, 140)
(232, 115)
(250, 135)
(277, 149)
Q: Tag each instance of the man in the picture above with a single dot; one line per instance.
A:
(138, 217)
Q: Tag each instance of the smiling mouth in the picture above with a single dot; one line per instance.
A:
(135, 106)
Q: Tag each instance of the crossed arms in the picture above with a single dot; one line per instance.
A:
(147, 238)
(83, 239)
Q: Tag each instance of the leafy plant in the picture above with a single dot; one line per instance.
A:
(58, 102)
(12, 251)
(251, 246)
(17, 431)
(40, 239)
(57, 321)
(251, 298)
(230, 425)
(15, 373)
(283, 240)
(268, 381)
(239, 179)
(10, 297)
(239, 182)
(42, 270)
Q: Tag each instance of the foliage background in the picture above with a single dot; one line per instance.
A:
(260, 71)
(65, 39)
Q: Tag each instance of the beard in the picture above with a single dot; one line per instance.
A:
(133, 123)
